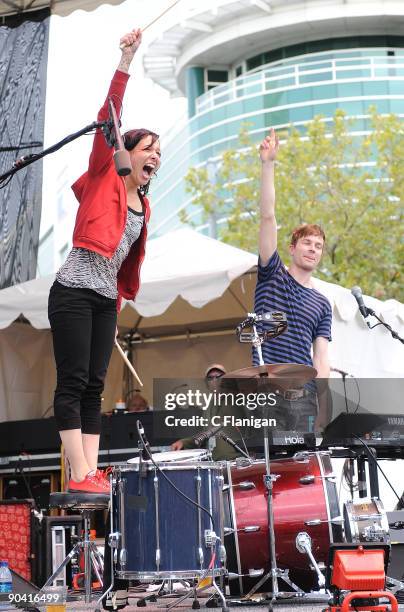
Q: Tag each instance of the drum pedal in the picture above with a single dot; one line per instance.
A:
(303, 545)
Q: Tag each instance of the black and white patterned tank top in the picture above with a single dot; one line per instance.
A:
(84, 269)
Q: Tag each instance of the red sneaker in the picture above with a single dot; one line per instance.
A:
(104, 474)
(91, 484)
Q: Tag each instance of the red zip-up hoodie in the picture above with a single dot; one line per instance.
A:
(103, 208)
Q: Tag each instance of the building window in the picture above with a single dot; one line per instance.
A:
(213, 78)
(317, 46)
(63, 252)
(45, 253)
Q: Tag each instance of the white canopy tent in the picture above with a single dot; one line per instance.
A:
(58, 7)
(194, 292)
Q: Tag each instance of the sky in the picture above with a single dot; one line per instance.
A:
(83, 54)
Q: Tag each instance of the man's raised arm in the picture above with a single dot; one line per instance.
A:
(268, 230)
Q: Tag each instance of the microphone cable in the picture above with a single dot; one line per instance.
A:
(377, 465)
(191, 501)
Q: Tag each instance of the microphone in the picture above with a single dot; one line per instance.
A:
(122, 161)
(144, 441)
(340, 371)
(234, 445)
(357, 293)
(206, 435)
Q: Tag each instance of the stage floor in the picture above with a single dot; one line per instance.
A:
(280, 605)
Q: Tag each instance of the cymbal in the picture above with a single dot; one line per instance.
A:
(294, 371)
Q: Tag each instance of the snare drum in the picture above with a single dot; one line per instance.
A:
(304, 500)
(191, 455)
(159, 534)
(365, 520)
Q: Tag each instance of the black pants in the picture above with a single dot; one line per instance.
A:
(83, 325)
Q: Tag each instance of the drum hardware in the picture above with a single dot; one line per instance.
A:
(301, 456)
(210, 538)
(122, 557)
(247, 529)
(248, 550)
(198, 497)
(242, 462)
(307, 479)
(114, 539)
(160, 552)
(295, 374)
(311, 478)
(366, 521)
(337, 520)
(276, 320)
(255, 573)
(303, 545)
(157, 514)
(120, 485)
(244, 486)
(264, 373)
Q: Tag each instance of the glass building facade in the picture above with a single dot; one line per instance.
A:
(274, 89)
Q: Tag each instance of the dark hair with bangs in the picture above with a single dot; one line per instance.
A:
(131, 139)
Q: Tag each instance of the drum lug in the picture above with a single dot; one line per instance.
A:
(255, 573)
(122, 557)
(311, 478)
(250, 528)
(228, 530)
(307, 479)
(301, 456)
(200, 556)
(114, 539)
(243, 462)
(246, 485)
(316, 522)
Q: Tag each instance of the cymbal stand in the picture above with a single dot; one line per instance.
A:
(257, 339)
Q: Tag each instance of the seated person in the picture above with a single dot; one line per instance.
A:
(137, 403)
(221, 450)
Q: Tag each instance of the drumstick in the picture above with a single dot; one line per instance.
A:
(155, 19)
(128, 363)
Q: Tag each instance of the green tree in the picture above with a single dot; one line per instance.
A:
(352, 186)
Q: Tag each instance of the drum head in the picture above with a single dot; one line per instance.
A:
(176, 456)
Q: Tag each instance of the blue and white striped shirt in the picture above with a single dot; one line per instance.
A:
(308, 313)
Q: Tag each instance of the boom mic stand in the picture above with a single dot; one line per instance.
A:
(113, 138)
(386, 325)
(279, 325)
(33, 157)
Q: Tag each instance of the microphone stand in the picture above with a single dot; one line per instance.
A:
(386, 325)
(33, 157)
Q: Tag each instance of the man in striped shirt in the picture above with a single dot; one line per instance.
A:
(291, 290)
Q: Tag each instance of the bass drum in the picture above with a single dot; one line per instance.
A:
(305, 499)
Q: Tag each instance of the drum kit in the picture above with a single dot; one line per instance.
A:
(253, 525)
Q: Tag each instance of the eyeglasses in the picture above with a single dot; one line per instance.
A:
(214, 376)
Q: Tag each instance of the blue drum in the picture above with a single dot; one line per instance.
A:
(160, 534)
